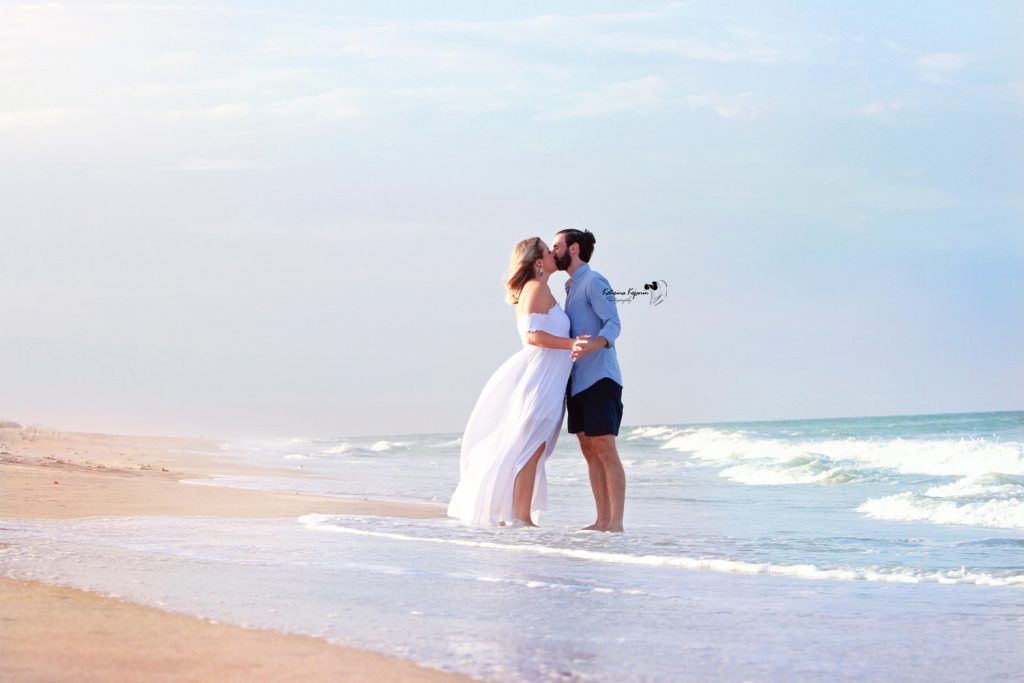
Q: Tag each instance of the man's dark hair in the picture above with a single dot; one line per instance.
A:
(584, 238)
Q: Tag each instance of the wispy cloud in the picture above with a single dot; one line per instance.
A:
(447, 43)
(221, 112)
(636, 97)
(325, 67)
(739, 106)
(177, 59)
(269, 81)
(332, 104)
(940, 67)
(202, 165)
(736, 46)
(882, 107)
(48, 117)
(1015, 91)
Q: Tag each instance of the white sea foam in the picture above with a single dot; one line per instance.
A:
(334, 523)
(947, 457)
(653, 433)
(381, 446)
(296, 441)
(807, 469)
(296, 456)
(911, 507)
(981, 486)
(341, 448)
(258, 483)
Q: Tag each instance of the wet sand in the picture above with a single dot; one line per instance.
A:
(55, 633)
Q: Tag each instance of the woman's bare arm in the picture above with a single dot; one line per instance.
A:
(536, 298)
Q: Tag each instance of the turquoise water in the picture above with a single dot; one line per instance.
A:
(849, 549)
(938, 497)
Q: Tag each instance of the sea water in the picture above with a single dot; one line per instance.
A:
(851, 549)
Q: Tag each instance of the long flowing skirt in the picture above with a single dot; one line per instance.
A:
(520, 408)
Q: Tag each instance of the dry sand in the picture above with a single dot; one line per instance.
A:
(51, 633)
(65, 474)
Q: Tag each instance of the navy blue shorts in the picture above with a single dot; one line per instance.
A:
(597, 410)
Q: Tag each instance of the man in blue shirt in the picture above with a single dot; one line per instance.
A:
(594, 394)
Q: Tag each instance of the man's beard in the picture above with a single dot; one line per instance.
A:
(563, 262)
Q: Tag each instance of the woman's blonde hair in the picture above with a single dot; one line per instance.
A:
(520, 267)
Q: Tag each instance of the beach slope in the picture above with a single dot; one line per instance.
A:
(56, 633)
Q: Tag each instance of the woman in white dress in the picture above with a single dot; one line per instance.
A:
(516, 421)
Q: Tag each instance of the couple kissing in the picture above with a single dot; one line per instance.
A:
(568, 365)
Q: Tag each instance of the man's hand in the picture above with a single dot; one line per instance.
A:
(584, 345)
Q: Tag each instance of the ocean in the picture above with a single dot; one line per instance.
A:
(882, 548)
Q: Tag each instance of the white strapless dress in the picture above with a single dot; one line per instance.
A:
(521, 407)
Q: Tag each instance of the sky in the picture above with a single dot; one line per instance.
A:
(293, 219)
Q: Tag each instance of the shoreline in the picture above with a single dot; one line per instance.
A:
(62, 475)
(51, 474)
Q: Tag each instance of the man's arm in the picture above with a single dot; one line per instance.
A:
(604, 306)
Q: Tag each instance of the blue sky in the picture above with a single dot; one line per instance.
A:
(293, 218)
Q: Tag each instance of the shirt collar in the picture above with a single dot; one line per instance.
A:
(585, 268)
(572, 280)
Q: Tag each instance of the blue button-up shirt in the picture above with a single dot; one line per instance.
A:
(592, 311)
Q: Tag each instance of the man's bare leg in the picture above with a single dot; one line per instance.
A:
(614, 476)
(597, 484)
(522, 492)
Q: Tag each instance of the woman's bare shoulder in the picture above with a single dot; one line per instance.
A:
(536, 297)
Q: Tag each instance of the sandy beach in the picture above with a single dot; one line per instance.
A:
(115, 566)
(52, 474)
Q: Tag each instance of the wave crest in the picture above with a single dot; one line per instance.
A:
(944, 457)
(911, 507)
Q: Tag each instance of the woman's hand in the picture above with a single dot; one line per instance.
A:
(579, 346)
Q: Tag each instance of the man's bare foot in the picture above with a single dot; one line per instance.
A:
(615, 528)
(519, 523)
(596, 526)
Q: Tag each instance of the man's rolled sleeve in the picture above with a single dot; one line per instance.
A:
(604, 306)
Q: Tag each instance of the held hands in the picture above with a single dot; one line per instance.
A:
(582, 345)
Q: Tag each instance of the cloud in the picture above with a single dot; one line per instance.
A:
(336, 103)
(456, 100)
(456, 44)
(739, 106)
(197, 164)
(736, 46)
(332, 66)
(882, 107)
(48, 117)
(636, 97)
(939, 67)
(267, 81)
(222, 112)
(1015, 91)
(177, 59)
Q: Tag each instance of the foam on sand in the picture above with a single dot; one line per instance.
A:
(338, 524)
